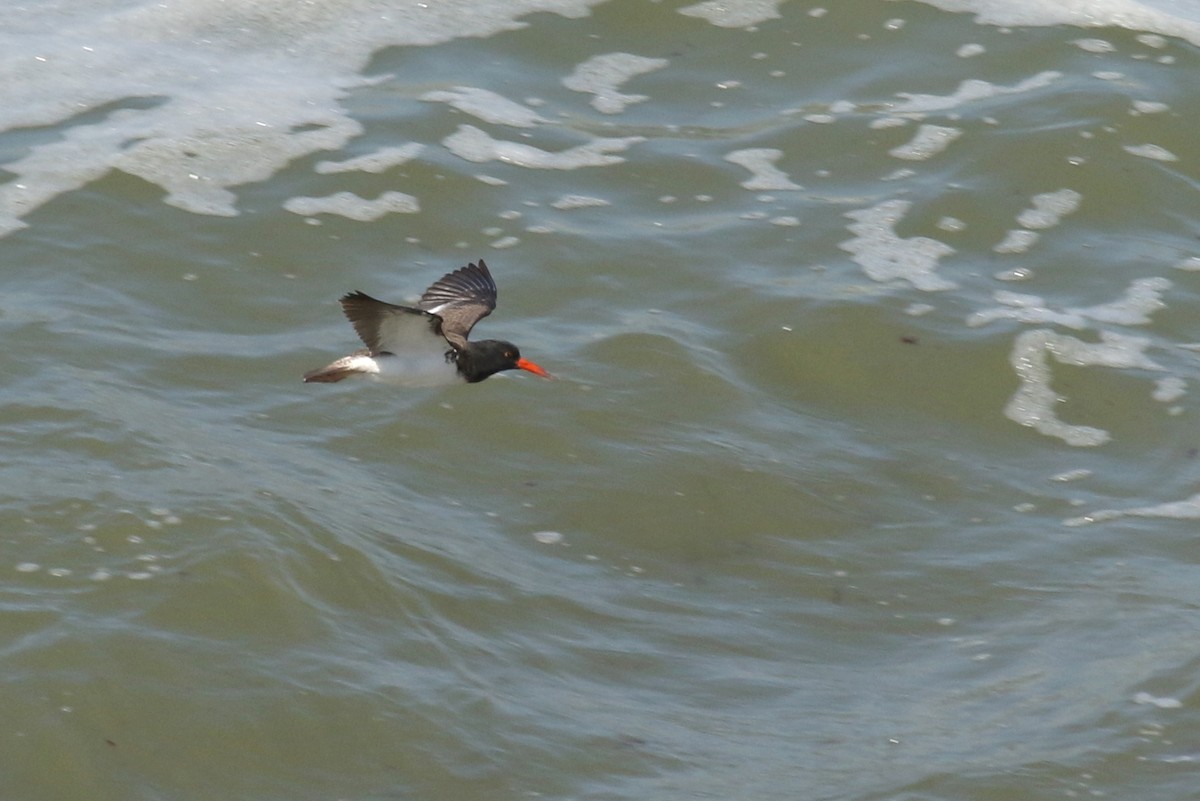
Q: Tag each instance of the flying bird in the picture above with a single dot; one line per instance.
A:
(428, 345)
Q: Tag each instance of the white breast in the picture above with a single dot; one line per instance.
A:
(414, 369)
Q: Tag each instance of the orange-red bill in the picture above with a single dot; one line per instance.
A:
(525, 364)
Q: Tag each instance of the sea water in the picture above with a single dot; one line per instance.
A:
(869, 470)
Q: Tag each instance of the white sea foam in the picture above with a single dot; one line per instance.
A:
(348, 204)
(1177, 19)
(601, 75)
(486, 105)
(1134, 307)
(1015, 274)
(1149, 107)
(578, 202)
(742, 14)
(969, 90)
(1149, 151)
(1049, 208)
(1035, 402)
(928, 141)
(1017, 240)
(1168, 389)
(1047, 211)
(379, 161)
(1187, 509)
(898, 174)
(879, 123)
(765, 176)
(1095, 45)
(204, 97)
(886, 256)
(1162, 702)
(1072, 475)
(475, 145)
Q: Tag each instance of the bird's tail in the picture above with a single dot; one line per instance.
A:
(345, 367)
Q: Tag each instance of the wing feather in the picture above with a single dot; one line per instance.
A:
(461, 298)
(387, 328)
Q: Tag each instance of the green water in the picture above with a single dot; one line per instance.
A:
(784, 525)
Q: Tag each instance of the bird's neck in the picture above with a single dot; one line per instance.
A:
(475, 362)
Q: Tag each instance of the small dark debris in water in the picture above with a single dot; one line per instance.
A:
(908, 339)
(1191, 452)
(630, 739)
(110, 744)
(835, 595)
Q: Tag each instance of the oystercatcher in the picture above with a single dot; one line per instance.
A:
(427, 346)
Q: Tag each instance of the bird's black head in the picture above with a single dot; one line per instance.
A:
(490, 356)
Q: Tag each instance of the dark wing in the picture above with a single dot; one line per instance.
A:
(387, 328)
(461, 298)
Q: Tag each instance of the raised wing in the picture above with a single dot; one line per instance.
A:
(461, 298)
(388, 328)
